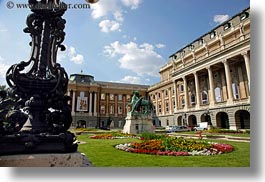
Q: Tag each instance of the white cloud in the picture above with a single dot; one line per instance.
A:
(113, 9)
(131, 80)
(133, 4)
(220, 18)
(70, 54)
(104, 7)
(109, 26)
(3, 69)
(159, 46)
(141, 59)
(74, 57)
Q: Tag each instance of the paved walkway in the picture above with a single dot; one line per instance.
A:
(212, 136)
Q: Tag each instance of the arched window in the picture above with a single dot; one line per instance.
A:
(218, 94)
(204, 97)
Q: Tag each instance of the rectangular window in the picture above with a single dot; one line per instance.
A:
(128, 98)
(120, 109)
(181, 88)
(102, 109)
(183, 102)
(111, 109)
(102, 97)
(111, 96)
(204, 96)
(167, 106)
(120, 97)
(166, 93)
(159, 107)
(235, 91)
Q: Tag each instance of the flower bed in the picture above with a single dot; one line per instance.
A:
(176, 147)
(110, 136)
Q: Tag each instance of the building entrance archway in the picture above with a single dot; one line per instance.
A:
(222, 120)
(242, 119)
(192, 120)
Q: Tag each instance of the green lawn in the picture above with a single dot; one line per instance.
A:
(103, 154)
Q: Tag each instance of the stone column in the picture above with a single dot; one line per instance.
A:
(197, 87)
(73, 102)
(170, 100)
(186, 93)
(176, 96)
(90, 104)
(210, 75)
(228, 82)
(247, 63)
(156, 104)
(163, 102)
(95, 104)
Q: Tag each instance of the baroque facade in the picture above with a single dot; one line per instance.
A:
(95, 103)
(208, 80)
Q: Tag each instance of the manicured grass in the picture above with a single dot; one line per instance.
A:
(103, 154)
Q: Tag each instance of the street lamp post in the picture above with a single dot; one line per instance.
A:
(39, 119)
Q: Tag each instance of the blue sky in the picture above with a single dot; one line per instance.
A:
(119, 40)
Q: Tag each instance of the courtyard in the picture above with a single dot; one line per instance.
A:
(102, 153)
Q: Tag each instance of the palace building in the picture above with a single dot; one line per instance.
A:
(208, 80)
(94, 103)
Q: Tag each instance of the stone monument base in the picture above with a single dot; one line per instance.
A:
(138, 124)
(46, 160)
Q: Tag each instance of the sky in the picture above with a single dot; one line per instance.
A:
(124, 41)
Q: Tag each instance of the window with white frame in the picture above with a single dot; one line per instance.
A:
(235, 91)
(204, 96)
(218, 94)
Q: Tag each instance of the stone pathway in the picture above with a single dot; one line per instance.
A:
(219, 137)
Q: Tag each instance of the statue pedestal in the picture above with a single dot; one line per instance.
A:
(45, 160)
(138, 124)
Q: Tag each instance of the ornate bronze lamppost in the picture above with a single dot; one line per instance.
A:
(37, 118)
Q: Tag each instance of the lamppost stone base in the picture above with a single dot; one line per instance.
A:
(46, 160)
